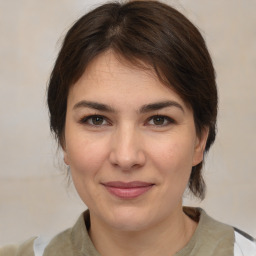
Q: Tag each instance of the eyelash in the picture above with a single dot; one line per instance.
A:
(167, 120)
(85, 120)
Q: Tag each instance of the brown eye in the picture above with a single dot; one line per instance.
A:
(94, 120)
(97, 120)
(160, 120)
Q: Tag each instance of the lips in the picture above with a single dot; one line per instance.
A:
(127, 190)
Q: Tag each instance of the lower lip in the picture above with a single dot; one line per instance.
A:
(128, 193)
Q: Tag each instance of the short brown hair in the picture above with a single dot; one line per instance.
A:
(147, 31)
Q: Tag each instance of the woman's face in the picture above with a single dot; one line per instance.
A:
(130, 143)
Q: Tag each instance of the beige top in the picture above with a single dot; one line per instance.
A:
(211, 238)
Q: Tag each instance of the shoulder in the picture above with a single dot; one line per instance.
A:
(24, 249)
(59, 245)
(244, 244)
(38, 245)
(66, 243)
(222, 239)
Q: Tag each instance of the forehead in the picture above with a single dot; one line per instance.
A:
(109, 65)
(109, 73)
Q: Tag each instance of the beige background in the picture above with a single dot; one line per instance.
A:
(34, 198)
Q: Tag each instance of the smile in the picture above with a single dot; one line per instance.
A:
(128, 190)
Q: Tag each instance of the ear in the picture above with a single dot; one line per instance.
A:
(64, 149)
(65, 157)
(200, 146)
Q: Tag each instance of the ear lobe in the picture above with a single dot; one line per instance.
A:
(65, 158)
(200, 146)
(63, 146)
(65, 154)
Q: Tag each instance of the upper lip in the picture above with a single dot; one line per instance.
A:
(131, 184)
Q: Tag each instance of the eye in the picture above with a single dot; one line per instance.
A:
(160, 120)
(94, 120)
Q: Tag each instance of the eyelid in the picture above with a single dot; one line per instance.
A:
(106, 122)
(167, 118)
(84, 120)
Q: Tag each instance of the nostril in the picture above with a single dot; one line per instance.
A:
(127, 161)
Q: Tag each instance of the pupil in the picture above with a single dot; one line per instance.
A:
(158, 120)
(97, 120)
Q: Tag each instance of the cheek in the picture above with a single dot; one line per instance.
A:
(86, 159)
(85, 155)
(173, 161)
(173, 155)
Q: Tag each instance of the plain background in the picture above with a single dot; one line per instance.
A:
(34, 197)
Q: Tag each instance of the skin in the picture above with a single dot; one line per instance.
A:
(131, 141)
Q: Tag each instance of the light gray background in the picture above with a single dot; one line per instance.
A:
(34, 198)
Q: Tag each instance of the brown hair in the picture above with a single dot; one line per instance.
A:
(147, 31)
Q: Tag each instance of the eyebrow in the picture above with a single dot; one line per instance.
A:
(159, 105)
(144, 109)
(93, 105)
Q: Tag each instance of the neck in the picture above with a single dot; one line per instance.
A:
(165, 238)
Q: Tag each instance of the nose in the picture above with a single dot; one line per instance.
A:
(126, 150)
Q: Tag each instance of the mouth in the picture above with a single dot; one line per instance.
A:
(127, 190)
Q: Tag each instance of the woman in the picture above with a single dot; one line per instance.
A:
(133, 104)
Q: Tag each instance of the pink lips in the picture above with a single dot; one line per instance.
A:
(128, 190)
